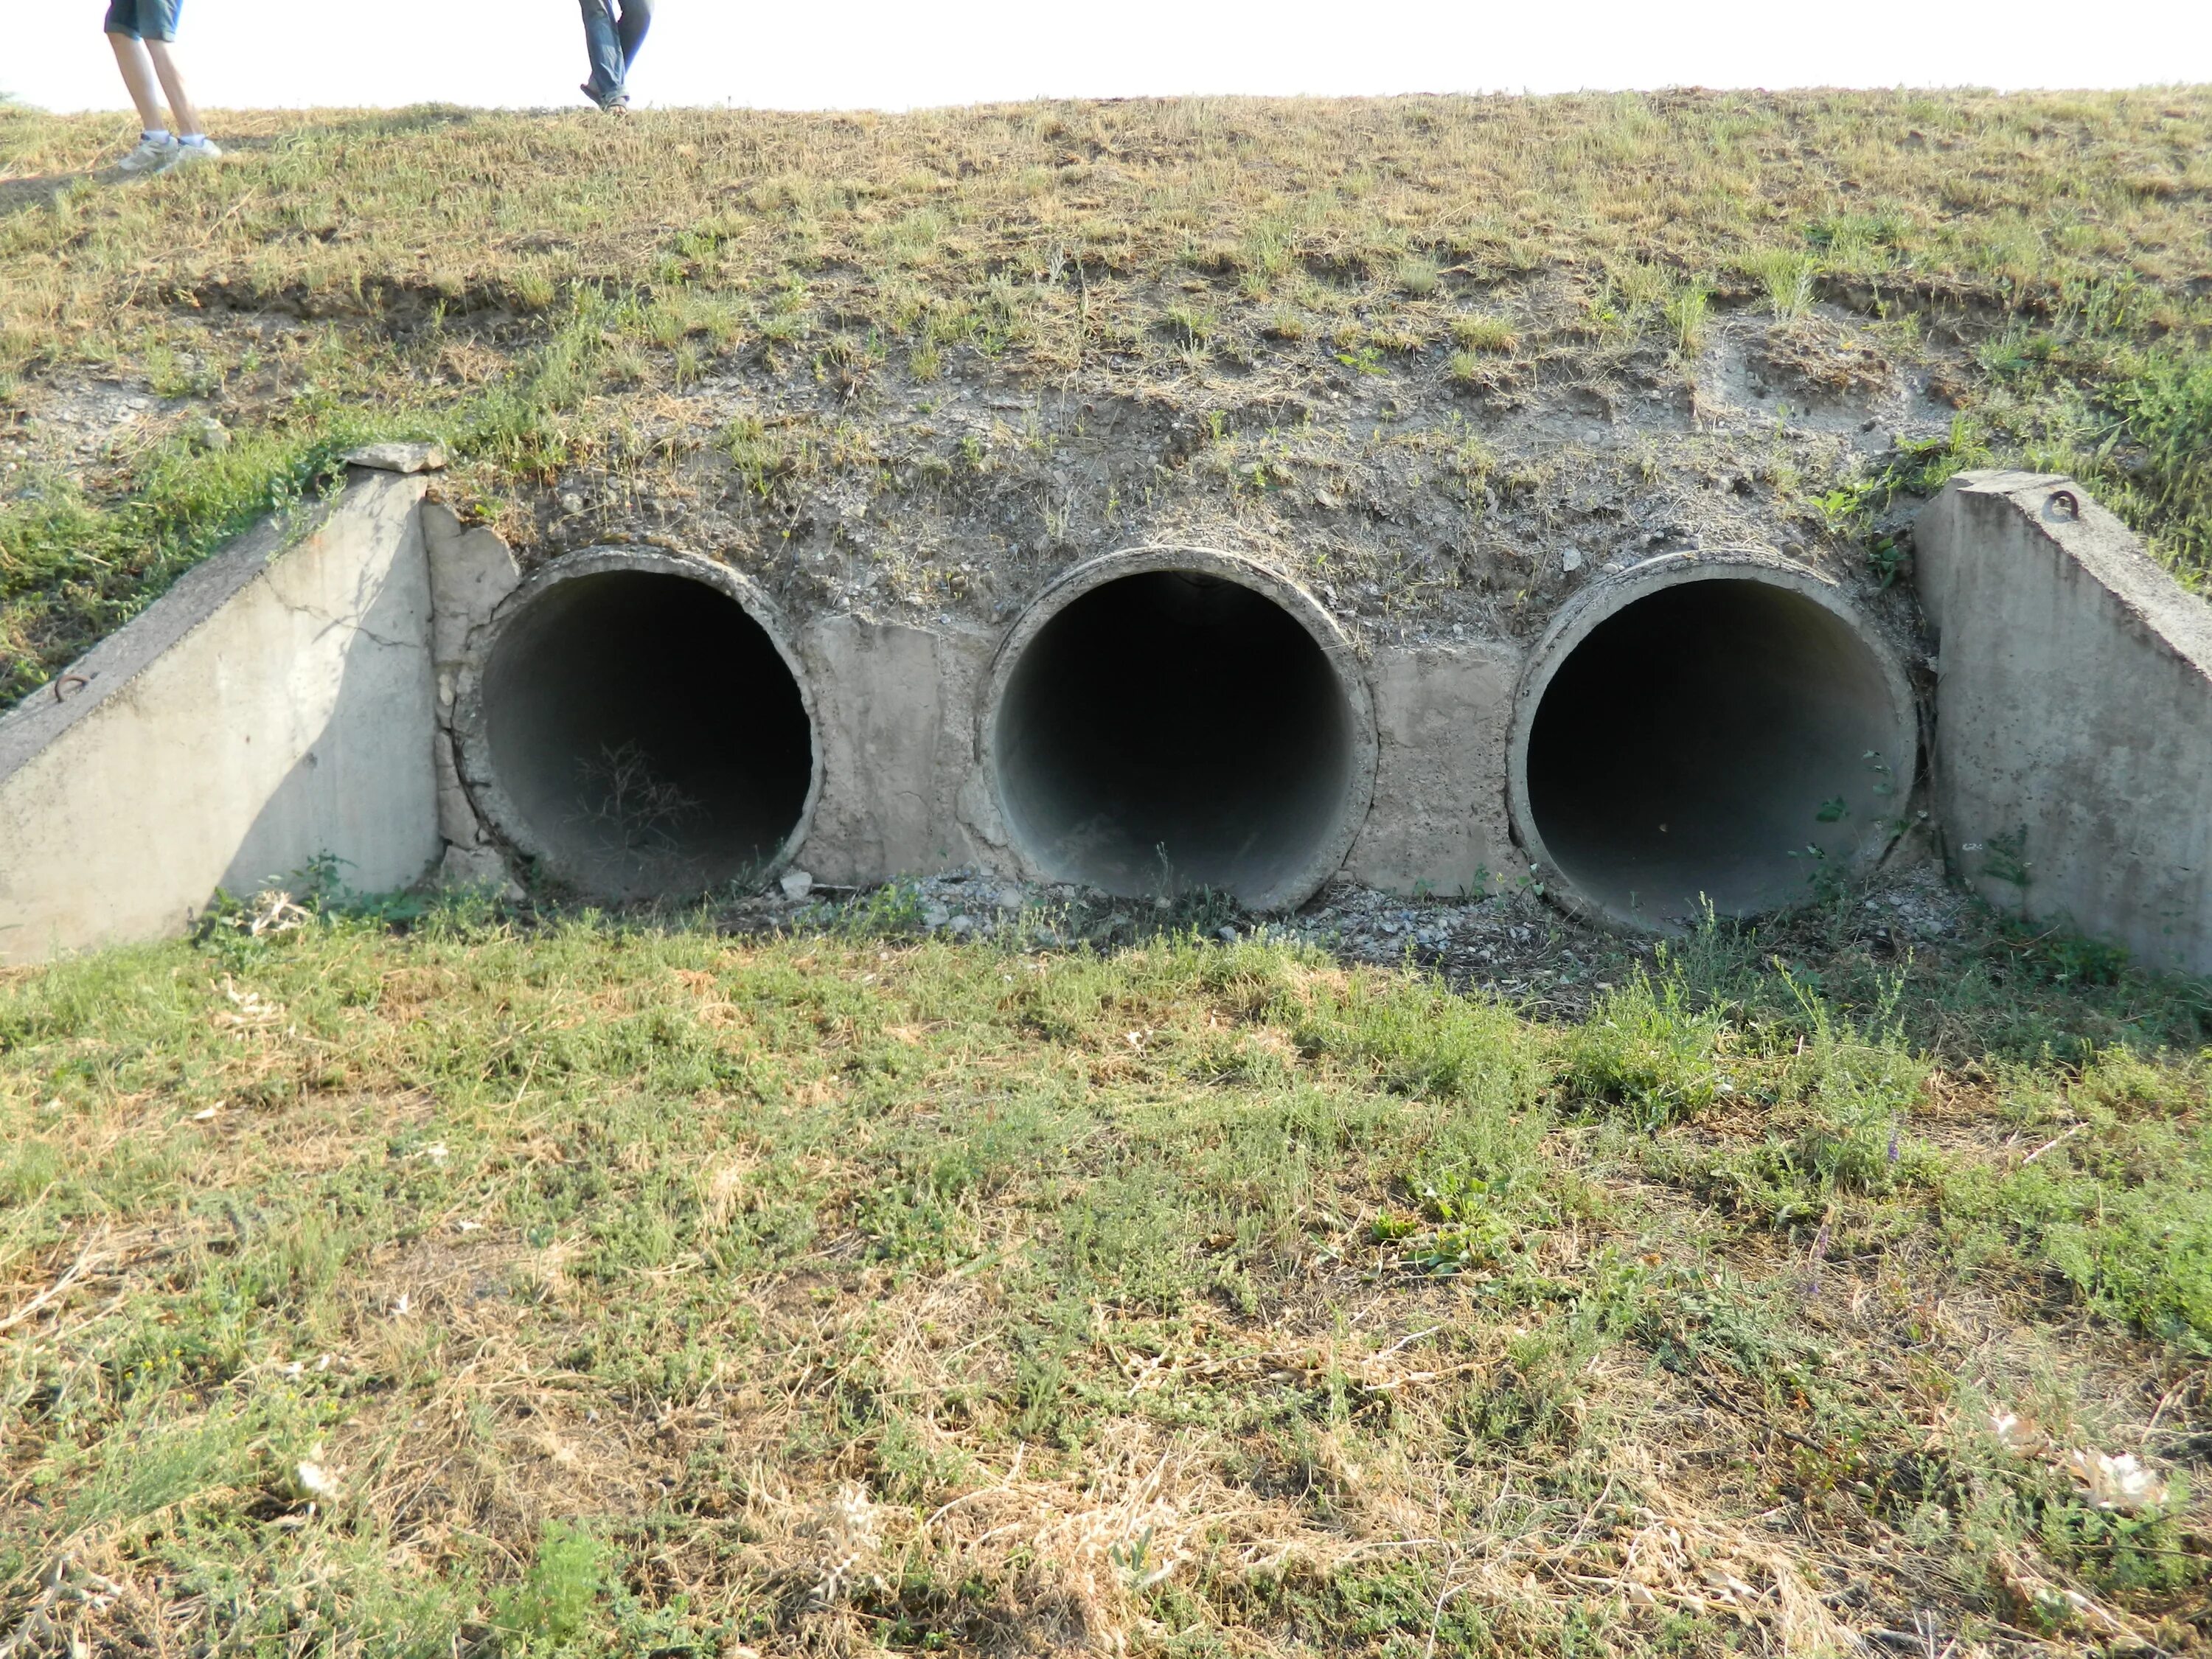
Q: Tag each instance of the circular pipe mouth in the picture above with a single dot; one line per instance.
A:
(1168, 719)
(1708, 732)
(639, 725)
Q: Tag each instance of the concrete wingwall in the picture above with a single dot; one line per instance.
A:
(2073, 751)
(276, 705)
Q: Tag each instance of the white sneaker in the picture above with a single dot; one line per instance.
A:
(182, 154)
(151, 155)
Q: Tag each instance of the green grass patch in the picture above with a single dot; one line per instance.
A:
(587, 1288)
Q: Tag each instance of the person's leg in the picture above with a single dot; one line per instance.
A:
(173, 83)
(138, 77)
(604, 49)
(155, 149)
(157, 22)
(636, 19)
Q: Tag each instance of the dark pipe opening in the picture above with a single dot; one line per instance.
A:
(1168, 731)
(1719, 738)
(649, 734)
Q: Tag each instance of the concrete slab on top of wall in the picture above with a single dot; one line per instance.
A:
(2072, 753)
(274, 705)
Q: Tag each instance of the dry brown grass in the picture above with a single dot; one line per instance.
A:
(1978, 197)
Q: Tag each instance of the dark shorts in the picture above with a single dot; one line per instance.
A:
(144, 20)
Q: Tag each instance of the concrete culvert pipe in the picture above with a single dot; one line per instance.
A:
(1700, 731)
(640, 727)
(1168, 719)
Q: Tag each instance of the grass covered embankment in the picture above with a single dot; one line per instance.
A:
(547, 293)
(599, 1289)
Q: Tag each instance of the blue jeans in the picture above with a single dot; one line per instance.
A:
(613, 47)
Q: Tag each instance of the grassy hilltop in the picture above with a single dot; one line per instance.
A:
(1301, 320)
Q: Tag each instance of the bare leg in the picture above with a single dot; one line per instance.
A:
(173, 83)
(138, 76)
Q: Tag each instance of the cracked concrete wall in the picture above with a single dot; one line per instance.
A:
(274, 705)
(472, 571)
(2073, 751)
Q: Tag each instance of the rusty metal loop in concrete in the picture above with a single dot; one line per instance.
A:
(1165, 719)
(1708, 730)
(639, 724)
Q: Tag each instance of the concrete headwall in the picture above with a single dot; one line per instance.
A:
(276, 704)
(905, 793)
(898, 747)
(1438, 824)
(2073, 754)
(303, 694)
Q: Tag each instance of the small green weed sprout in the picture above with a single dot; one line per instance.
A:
(1688, 308)
(1474, 460)
(1193, 325)
(761, 453)
(558, 1600)
(533, 290)
(1418, 275)
(1786, 275)
(1889, 557)
(1485, 332)
(889, 911)
(1635, 289)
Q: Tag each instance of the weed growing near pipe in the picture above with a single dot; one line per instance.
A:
(628, 805)
(1648, 1054)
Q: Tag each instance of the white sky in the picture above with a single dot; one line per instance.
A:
(869, 53)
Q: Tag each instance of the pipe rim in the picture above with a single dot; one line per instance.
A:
(471, 729)
(1602, 600)
(1300, 884)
